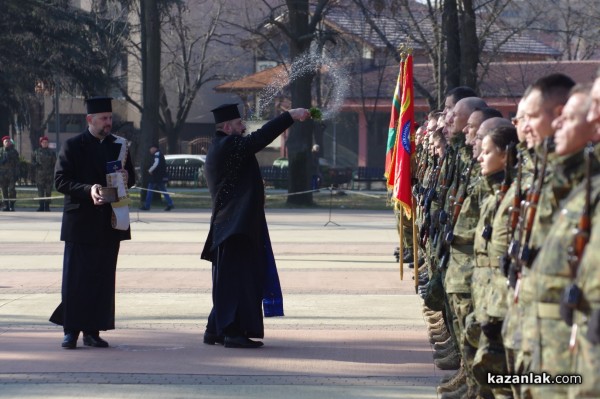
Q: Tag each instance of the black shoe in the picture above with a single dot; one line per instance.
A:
(407, 258)
(412, 264)
(212, 338)
(70, 340)
(241, 342)
(169, 207)
(143, 208)
(94, 340)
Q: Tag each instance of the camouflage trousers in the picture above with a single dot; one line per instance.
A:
(8, 185)
(44, 185)
(586, 363)
(551, 355)
(490, 358)
(462, 305)
(510, 366)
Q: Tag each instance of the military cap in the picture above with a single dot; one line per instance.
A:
(226, 112)
(96, 105)
(5, 138)
(44, 138)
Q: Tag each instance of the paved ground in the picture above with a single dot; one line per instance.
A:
(352, 329)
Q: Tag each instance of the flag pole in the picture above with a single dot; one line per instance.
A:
(401, 236)
(415, 245)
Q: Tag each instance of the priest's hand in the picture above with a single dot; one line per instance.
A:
(299, 114)
(95, 193)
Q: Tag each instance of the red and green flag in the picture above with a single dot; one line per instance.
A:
(405, 143)
(391, 141)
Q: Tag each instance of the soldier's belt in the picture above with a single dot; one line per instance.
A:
(464, 249)
(548, 310)
(482, 261)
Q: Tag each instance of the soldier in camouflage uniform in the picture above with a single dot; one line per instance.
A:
(497, 306)
(543, 102)
(551, 270)
(42, 161)
(464, 213)
(489, 357)
(586, 318)
(9, 164)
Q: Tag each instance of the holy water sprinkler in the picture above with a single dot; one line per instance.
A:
(316, 114)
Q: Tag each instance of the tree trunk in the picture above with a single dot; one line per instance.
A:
(300, 138)
(469, 45)
(151, 79)
(451, 27)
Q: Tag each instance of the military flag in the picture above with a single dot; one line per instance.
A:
(405, 143)
(391, 142)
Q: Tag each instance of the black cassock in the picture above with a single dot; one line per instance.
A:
(236, 243)
(91, 244)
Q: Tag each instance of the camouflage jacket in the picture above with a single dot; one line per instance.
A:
(551, 270)
(43, 161)
(460, 265)
(498, 245)
(9, 161)
(486, 218)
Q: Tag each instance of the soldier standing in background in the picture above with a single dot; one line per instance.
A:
(9, 164)
(586, 317)
(43, 160)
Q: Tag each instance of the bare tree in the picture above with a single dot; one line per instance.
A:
(299, 23)
(460, 37)
(190, 61)
(572, 26)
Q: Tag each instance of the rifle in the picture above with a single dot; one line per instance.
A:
(571, 297)
(442, 216)
(428, 199)
(511, 224)
(456, 208)
(525, 256)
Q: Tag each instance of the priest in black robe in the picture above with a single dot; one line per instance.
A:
(237, 240)
(91, 241)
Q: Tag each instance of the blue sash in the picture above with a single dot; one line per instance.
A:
(272, 296)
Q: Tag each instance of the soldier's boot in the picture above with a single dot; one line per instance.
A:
(450, 362)
(443, 345)
(42, 206)
(6, 207)
(456, 382)
(434, 318)
(47, 206)
(449, 377)
(437, 331)
(439, 324)
(12, 206)
(444, 353)
(439, 338)
(458, 394)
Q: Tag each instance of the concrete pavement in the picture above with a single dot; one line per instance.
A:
(352, 329)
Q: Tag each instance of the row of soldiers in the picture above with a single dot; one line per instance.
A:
(506, 213)
(42, 164)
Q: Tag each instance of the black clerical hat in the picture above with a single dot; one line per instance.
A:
(225, 112)
(96, 105)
